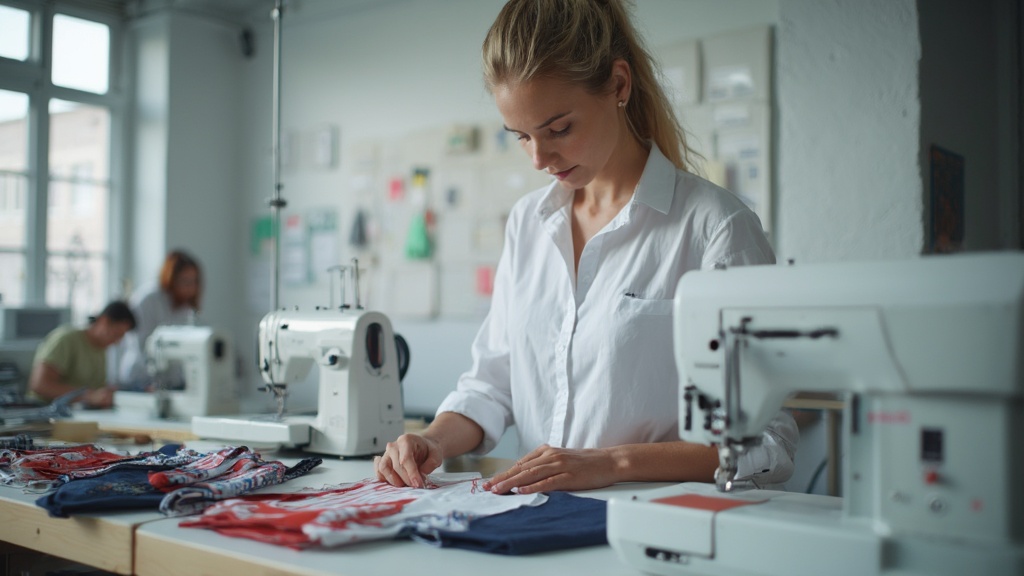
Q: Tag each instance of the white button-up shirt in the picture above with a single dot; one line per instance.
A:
(585, 359)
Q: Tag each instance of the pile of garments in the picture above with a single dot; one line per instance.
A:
(175, 480)
(452, 510)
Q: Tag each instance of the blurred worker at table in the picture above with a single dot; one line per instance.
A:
(576, 349)
(71, 359)
(174, 301)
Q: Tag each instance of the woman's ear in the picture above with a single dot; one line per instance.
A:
(622, 79)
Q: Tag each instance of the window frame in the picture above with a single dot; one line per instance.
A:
(33, 78)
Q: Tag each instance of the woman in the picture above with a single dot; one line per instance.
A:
(174, 301)
(577, 347)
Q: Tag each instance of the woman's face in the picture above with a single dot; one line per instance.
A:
(186, 285)
(567, 131)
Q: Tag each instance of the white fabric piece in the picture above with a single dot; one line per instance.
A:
(449, 503)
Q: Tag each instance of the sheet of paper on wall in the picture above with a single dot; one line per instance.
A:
(737, 65)
(454, 238)
(732, 115)
(743, 155)
(506, 181)
(409, 290)
(698, 121)
(680, 67)
(458, 294)
(294, 252)
(488, 236)
(323, 240)
(324, 147)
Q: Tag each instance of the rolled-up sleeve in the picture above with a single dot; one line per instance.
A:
(771, 463)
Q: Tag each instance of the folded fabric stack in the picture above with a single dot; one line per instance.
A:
(359, 511)
(48, 468)
(174, 480)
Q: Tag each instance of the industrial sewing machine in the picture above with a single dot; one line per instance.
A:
(359, 403)
(930, 356)
(193, 371)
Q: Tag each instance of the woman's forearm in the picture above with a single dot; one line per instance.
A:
(454, 433)
(664, 462)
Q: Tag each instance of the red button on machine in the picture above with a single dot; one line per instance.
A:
(931, 477)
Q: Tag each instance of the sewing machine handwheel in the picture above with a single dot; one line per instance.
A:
(403, 356)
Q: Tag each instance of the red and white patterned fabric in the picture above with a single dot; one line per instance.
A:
(358, 511)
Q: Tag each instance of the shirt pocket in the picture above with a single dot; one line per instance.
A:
(631, 305)
(640, 346)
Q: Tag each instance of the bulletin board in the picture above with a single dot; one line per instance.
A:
(721, 88)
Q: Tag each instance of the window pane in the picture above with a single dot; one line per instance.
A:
(13, 192)
(13, 197)
(81, 54)
(12, 279)
(77, 281)
(13, 131)
(78, 209)
(79, 141)
(77, 217)
(14, 40)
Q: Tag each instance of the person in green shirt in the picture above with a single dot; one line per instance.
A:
(70, 359)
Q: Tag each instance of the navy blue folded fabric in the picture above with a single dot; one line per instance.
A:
(122, 489)
(564, 521)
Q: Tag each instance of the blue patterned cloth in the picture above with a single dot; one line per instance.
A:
(130, 486)
(123, 488)
(564, 521)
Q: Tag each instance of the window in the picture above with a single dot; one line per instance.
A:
(60, 104)
(14, 41)
(13, 180)
(81, 54)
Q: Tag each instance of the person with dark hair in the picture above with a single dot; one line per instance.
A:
(576, 349)
(71, 359)
(174, 301)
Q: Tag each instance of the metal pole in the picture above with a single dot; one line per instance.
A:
(276, 202)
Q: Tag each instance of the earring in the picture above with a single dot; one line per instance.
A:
(622, 103)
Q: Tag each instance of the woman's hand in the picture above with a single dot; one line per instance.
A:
(407, 460)
(548, 468)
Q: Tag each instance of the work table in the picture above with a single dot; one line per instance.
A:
(150, 544)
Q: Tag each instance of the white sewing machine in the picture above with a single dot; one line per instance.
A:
(193, 370)
(359, 404)
(930, 355)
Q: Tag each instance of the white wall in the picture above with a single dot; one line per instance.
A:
(185, 148)
(849, 180)
(202, 191)
(150, 38)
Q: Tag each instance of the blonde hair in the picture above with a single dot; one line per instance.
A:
(577, 41)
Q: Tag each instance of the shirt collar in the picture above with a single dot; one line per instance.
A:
(657, 184)
(655, 189)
